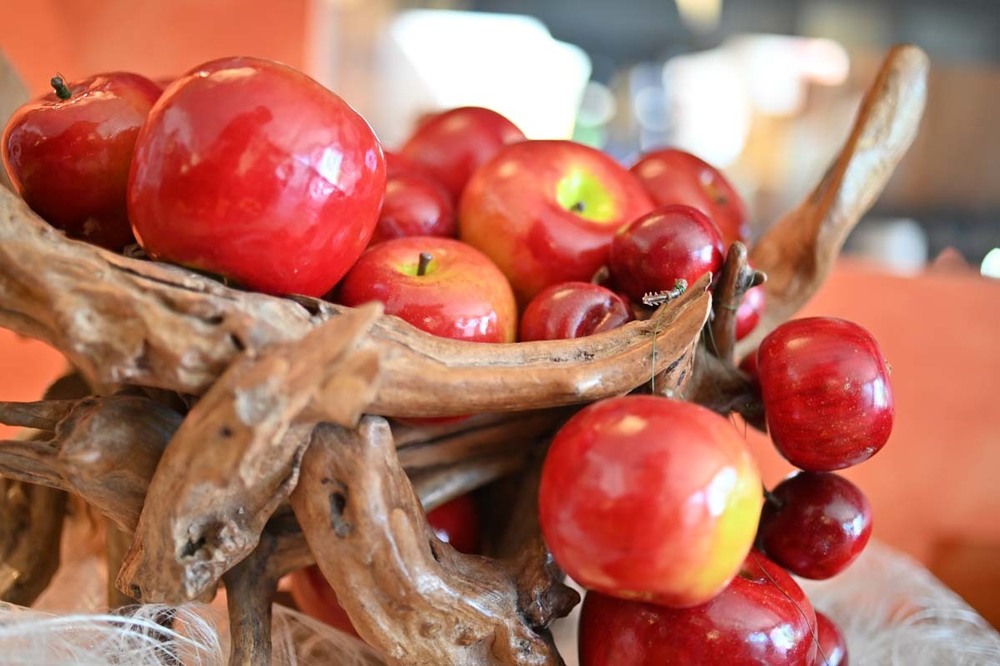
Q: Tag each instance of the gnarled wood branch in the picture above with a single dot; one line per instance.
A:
(126, 321)
(735, 278)
(235, 457)
(31, 520)
(251, 586)
(32, 516)
(408, 594)
(104, 449)
(798, 251)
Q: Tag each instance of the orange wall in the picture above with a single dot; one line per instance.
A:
(81, 37)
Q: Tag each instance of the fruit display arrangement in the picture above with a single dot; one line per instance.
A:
(426, 385)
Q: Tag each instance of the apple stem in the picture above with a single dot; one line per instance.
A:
(772, 499)
(578, 207)
(423, 263)
(58, 84)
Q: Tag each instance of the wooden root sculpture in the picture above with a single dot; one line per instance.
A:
(233, 436)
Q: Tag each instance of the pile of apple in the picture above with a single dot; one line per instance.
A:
(251, 171)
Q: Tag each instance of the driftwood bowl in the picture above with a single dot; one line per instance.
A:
(233, 437)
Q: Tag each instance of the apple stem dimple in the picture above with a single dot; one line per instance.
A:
(772, 499)
(59, 86)
(424, 262)
(578, 207)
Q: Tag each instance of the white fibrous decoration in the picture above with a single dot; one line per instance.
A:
(895, 612)
(892, 611)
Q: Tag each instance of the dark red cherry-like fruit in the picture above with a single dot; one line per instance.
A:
(832, 650)
(815, 524)
(572, 310)
(663, 246)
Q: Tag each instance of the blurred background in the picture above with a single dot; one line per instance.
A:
(766, 90)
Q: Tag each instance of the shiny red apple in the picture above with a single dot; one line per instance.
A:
(250, 169)
(439, 285)
(667, 245)
(455, 522)
(815, 524)
(673, 176)
(572, 310)
(825, 386)
(546, 211)
(762, 618)
(451, 144)
(68, 153)
(832, 649)
(414, 205)
(650, 498)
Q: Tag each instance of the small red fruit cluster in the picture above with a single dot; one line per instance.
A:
(828, 402)
(613, 504)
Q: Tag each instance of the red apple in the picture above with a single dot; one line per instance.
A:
(414, 205)
(650, 498)
(314, 597)
(451, 144)
(663, 247)
(572, 310)
(815, 524)
(762, 618)
(68, 153)
(673, 176)
(455, 522)
(546, 211)
(455, 291)
(250, 169)
(826, 392)
(832, 649)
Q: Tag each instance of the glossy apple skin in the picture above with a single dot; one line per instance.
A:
(761, 618)
(414, 205)
(650, 498)
(69, 159)
(518, 209)
(462, 296)
(572, 310)
(832, 650)
(750, 310)
(455, 522)
(668, 244)
(251, 170)
(826, 391)
(673, 176)
(815, 524)
(451, 144)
